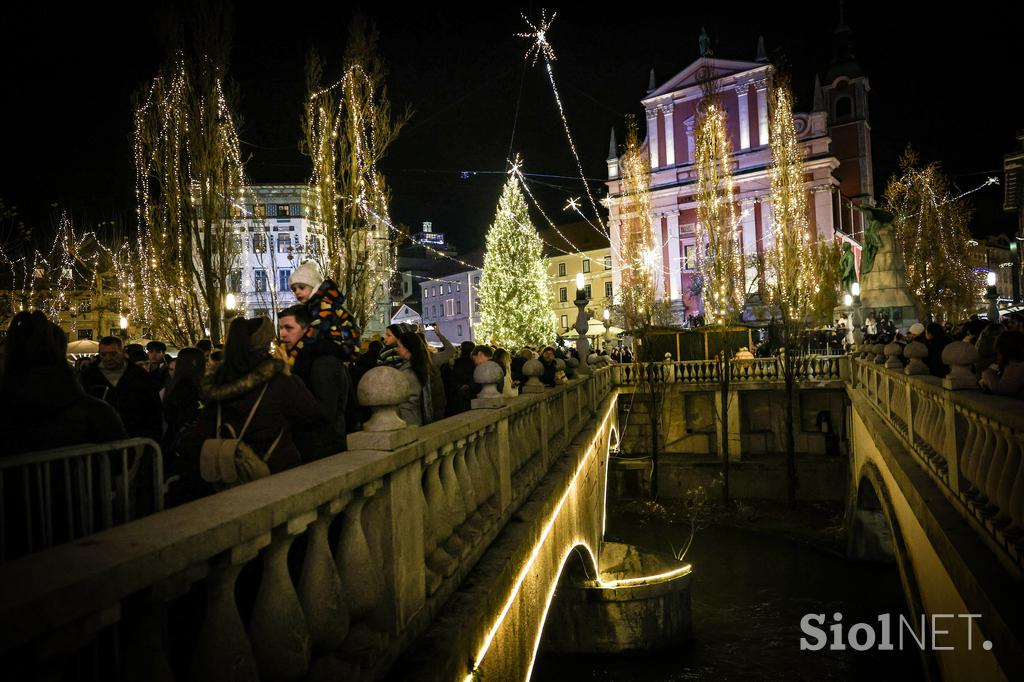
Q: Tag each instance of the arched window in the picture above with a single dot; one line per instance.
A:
(844, 108)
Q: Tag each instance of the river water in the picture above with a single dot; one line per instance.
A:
(749, 591)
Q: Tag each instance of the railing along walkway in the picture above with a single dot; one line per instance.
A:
(382, 537)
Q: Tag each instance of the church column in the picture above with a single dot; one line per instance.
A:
(674, 280)
(670, 136)
(823, 212)
(762, 111)
(659, 255)
(652, 135)
(690, 140)
(744, 109)
(750, 245)
(616, 244)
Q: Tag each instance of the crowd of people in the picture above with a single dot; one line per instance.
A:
(1000, 346)
(288, 393)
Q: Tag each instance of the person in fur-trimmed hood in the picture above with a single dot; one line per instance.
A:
(236, 385)
(331, 320)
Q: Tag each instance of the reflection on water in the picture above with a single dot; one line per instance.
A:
(750, 591)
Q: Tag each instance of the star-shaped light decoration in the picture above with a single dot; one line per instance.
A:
(515, 165)
(540, 47)
(573, 205)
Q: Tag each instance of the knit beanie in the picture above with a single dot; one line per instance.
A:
(308, 274)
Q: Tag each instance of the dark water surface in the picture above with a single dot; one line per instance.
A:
(749, 592)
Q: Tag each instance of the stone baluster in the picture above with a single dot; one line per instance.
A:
(320, 592)
(972, 442)
(383, 389)
(360, 573)
(490, 376)
(223, 650)
(479, 470)
(996, 470)
(144, 630)
(987, 445)
(472, 527)
(439, 563)
(1015, 507)
(278, 631)
(893, 351)
(960, 356)
(453, 497)
(1011, 470)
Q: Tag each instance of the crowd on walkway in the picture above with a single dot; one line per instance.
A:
(288, 394)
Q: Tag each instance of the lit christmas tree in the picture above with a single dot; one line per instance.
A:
(514, 307)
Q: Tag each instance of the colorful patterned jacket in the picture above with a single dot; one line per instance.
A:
(331, 321)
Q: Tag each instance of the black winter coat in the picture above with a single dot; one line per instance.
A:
(45, 408)
(135, 398)
(320, 367)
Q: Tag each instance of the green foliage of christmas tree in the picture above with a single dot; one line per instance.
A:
(514, 307)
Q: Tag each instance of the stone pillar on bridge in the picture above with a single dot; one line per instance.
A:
(397, 523)
(960, 356)
(489, 375)
(533, 370)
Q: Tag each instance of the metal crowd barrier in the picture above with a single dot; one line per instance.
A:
(54, 496)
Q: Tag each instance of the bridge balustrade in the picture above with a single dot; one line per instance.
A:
(756, 370)
(337, 565)
(971, 443)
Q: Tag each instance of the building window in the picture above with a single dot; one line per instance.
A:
(282, 279)
(607, 289)
(476, 281)
(433, 311)
(234, 280)
(586, 265)
(424, 292)
(284, 243)
(458, 307)
(449, 306)
(607, 262)
(587, 287)
(449, 288)
(844, 108)
(283, 210)
(433, 291)
(259, 243)
(260, 281)
(689, 257)
(565, 322)
(561, 269)
(563, 295)
(236, 244)
(458, 287)
(259, 211)
(460, 330)
(85, 334)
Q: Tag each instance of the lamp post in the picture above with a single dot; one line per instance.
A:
(993, 297)
(123, 324)
(582, 326)
(607, 328)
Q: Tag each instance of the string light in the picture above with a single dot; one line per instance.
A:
(719, 258)
(542, 48)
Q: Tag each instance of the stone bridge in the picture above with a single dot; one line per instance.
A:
(434, 553)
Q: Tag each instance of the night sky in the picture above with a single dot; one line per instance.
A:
(945, 81)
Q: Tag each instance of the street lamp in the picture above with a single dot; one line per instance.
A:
(993, 297)
(582, 326)
(123, 323)
(607, 328)
(847, 300)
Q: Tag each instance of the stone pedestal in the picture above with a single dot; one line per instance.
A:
(382, 389)
(960, 356)
(533, 369)
(885, 287)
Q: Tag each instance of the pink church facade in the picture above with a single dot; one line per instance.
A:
(837, 168)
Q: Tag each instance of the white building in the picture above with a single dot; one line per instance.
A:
(452, 304)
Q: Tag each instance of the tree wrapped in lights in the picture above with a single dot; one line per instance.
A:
(637, 291)
(719, 256)
(930, 227)
(514, 306)
(802, 271)
(636, 264)
(190, 187)
(348, 128)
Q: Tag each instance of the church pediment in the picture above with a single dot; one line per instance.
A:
(689, 77)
